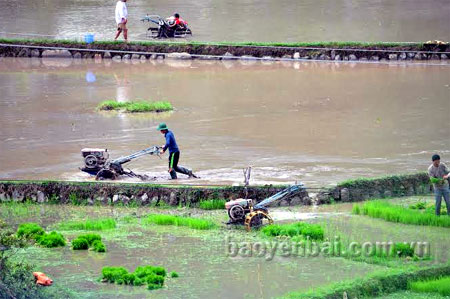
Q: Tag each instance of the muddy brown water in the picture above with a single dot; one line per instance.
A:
(237, 20)
(315, 122)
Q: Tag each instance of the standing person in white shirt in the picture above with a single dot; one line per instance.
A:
(121, 19)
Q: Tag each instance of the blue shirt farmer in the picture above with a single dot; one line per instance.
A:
(171, 142)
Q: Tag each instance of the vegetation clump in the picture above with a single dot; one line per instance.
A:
(80, 244)
(33, 231)
(90, 238)
(30, 230)
(174, 274)
(393, 213)
(136, 106)
(96, 224)
(305, 230)
(98, 246)
(152, 276)
(213, 204)
(195, 223)
(418, 206)
(83, 242)
(402, 250)
(441, 286)
(51, 240)
(438, 181)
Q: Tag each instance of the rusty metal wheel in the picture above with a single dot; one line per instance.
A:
(257, 219)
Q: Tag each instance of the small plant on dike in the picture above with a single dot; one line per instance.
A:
(195, 223)
(213, 204)
(136, 106)
(96, 224)
(306, 230)
(152, 276)
(441, 286)
(174, 274)
(393, 213)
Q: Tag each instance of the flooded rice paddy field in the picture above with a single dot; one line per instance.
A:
(237, 20)
(316, 122)
(200, 256)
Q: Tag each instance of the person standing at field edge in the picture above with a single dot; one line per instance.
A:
(438, 170)
(121, 19)
(174, 153)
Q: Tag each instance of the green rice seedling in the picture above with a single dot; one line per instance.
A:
(30, 230)
(393, 213)
(306, 230)
(143, 271)
(142, 106)
(152, 276)
(441, 286)
(129, 278)
(136, 106)
(73, 198)
(356, 210)
(152, 286)
(129, 219)
(195, 223)
(438, 181)
(432, 209)
(402, 250)
(98, 246)
(174, 274)
(418, 206)
(112, 274)
(80, 244)
(90, 238)
(51, 240)
(96, 224)
(111, 105)
(213, 204)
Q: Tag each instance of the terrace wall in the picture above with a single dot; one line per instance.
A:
(389, 186)
(140, 194)
(141, 51)
(91, 193)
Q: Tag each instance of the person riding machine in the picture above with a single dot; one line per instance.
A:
(170, 26)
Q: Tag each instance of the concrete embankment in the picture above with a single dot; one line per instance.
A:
(91, 193)
(383, 187)
(141, 194)
(161, 50)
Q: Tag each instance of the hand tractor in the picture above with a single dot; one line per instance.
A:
(242, 211)
(96, 163)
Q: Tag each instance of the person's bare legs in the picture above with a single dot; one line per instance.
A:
(119, 30)
(122, 27)
(125, 35)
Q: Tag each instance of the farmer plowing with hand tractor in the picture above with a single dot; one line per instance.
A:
(174, 153)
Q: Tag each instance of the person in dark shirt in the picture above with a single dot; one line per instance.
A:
(174, 153)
